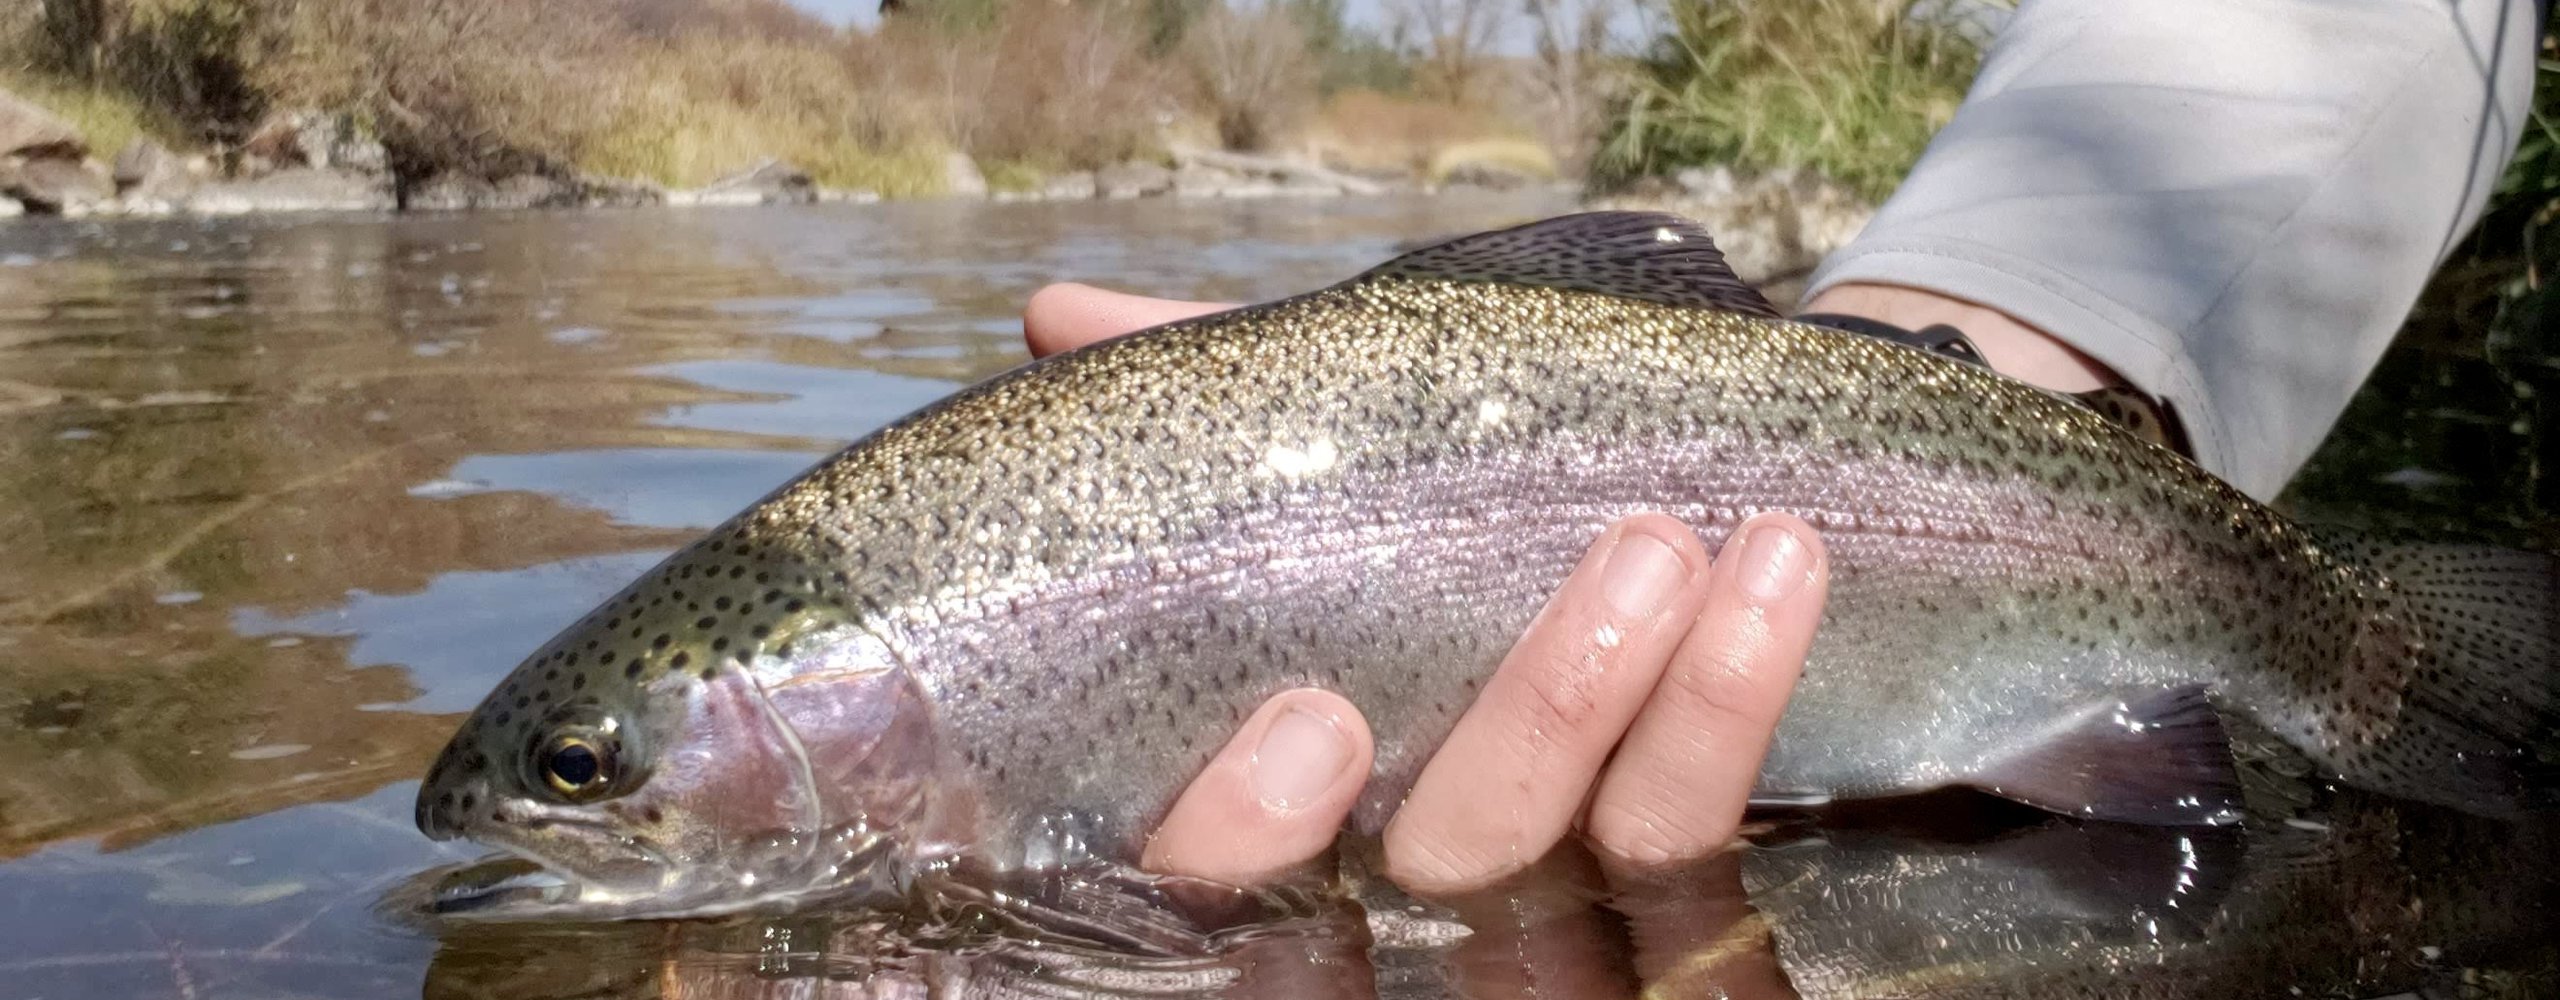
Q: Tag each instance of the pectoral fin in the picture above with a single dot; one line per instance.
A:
(2169, 880)
(2160, 758)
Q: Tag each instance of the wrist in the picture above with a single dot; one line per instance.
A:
(2009, 346)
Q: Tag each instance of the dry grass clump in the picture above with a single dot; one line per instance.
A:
(663, 93)
(1502, 155)
(1367, 131)
(675, 91)
(488, 86)
(706, 106)
(135, 67)
(1046, 86)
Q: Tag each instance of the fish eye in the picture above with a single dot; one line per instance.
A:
(576, 767)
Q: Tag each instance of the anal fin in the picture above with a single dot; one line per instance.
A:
(2160, 758)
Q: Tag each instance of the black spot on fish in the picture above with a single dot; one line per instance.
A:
(719, 644)
(721, 604)
(706, 622)
(710, 671)
(578, 683)
(504, 717)
(680, 660)
(761, 631)
(794, 607)
(522, 701)
(632, 670)
(661, 641)
(737, 571)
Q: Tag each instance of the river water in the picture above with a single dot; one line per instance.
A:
(279, 498)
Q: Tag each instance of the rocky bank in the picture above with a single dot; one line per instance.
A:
(1773, 227)
(310, 161)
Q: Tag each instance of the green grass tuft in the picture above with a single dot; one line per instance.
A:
(1015, 176)
(1852, 90)
(108, 119)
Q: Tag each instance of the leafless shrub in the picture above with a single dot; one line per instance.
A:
(1452, 41)
(1064, 84)
(1252, 69)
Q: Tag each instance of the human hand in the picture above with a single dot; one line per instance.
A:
(1637, 707)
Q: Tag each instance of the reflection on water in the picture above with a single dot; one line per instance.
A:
(2348, 896)
(279, 498)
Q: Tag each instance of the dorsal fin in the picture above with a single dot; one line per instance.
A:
(1653, 256)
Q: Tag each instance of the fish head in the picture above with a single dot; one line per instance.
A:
(715, 737)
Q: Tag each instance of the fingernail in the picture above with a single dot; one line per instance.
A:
(1774, 564)
(1302, 754)
(1641, 575)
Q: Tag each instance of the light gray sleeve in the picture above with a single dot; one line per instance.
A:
(2232, 203)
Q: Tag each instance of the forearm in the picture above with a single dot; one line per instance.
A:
(2231, 204)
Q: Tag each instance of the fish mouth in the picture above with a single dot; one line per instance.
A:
(555, 863)
(500, 882)
(513, 888)
(552, 855)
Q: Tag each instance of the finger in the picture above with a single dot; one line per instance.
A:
(1065, 316)
(1680, 780)
(1273, 798)
(1515, 771)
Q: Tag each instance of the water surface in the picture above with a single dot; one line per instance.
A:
(282, 497)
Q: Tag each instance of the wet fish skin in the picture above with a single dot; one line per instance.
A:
(1015, 623)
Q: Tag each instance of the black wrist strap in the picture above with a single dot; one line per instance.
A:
(1937, 338)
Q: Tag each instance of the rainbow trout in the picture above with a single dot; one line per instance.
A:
(1008, 628)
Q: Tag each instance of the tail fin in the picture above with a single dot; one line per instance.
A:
(2483, 707)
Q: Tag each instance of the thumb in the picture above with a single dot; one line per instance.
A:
(1067, 316)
